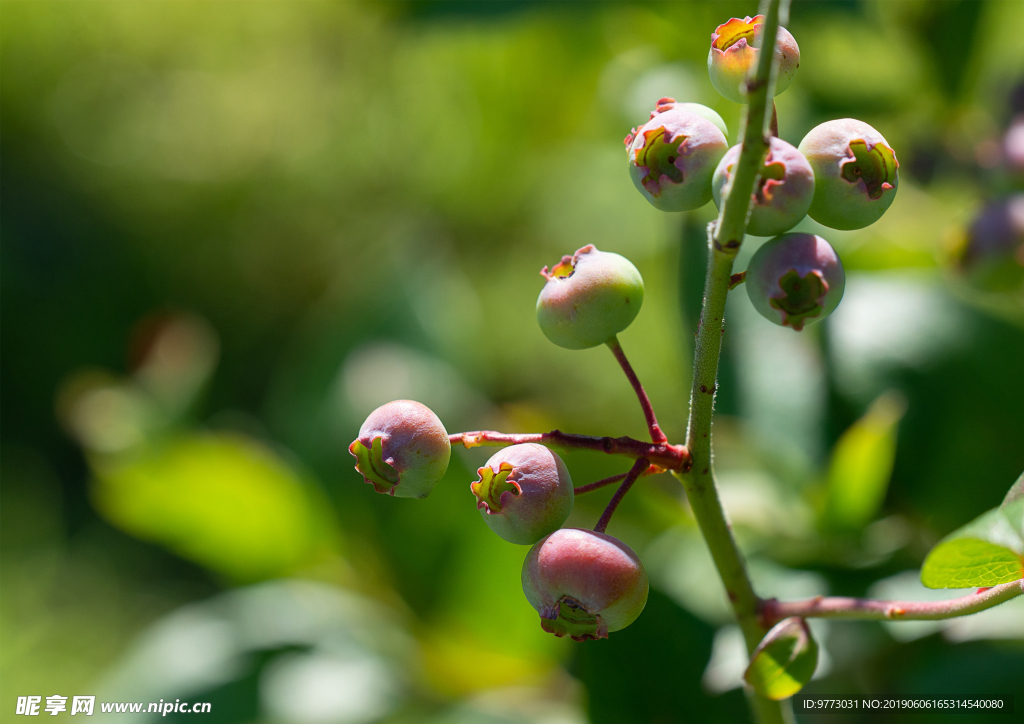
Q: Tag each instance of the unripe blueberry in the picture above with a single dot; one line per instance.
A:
(589, 298)
(584, 584)
(674, 154)
(402, 449)
(784, 191)
(991, 256)
(735, 46)
(711, 114)
(524, 493)
(855, 173)
(795, 279)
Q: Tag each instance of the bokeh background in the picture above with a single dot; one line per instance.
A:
(230, 230)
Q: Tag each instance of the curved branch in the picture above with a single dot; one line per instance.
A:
(661, 454)
(873, 610)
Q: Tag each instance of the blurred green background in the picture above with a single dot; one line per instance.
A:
(230, 230)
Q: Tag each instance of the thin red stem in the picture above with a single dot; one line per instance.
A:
(598, 485)
(662, 454)
(631, 477)
(652, 422)
(869, 609)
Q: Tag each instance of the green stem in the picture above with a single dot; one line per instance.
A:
(725, 237)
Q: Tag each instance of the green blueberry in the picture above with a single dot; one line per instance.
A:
(795, 279)
(784, 192)
(524, 493)
(696, 108)
(402, 449)
(674, 154)
(735, 47)
(855, 173)
(589, 298)
(584, 584)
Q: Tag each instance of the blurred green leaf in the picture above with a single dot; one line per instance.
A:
(861, 466)
(223, 501)
(784, 661)
(986, 552)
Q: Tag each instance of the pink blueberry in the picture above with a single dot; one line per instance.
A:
(584, 584)
(795, 279)
(735, 47)
(524, 493)
(784, 192)
(991, 255)
(674, 154)
(402, 449)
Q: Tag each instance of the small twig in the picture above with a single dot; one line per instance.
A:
(590, 487)
(631, 477)
(661, 454)
(736, 279)
(773, 127)
(598, 485)
(652, 422)
(872, 610)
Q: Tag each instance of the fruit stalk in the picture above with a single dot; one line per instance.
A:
(603, 482)
(725, 236)
(652, 422)
(661, 454)
(638, 469)
(867, 609)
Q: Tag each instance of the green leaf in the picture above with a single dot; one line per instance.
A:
(861, 466)
(222, 500)
(986, 552)
(784, 661)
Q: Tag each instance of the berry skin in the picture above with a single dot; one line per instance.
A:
(584, 584)
(674, 154)
(795, 279)
(697, 109)
(589, 298)
(524, 493)
(735, 46)
(855, 173)
(784, 193)
(402, 449)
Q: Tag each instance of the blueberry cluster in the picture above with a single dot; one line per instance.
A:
(585, 584)
(843, 174)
